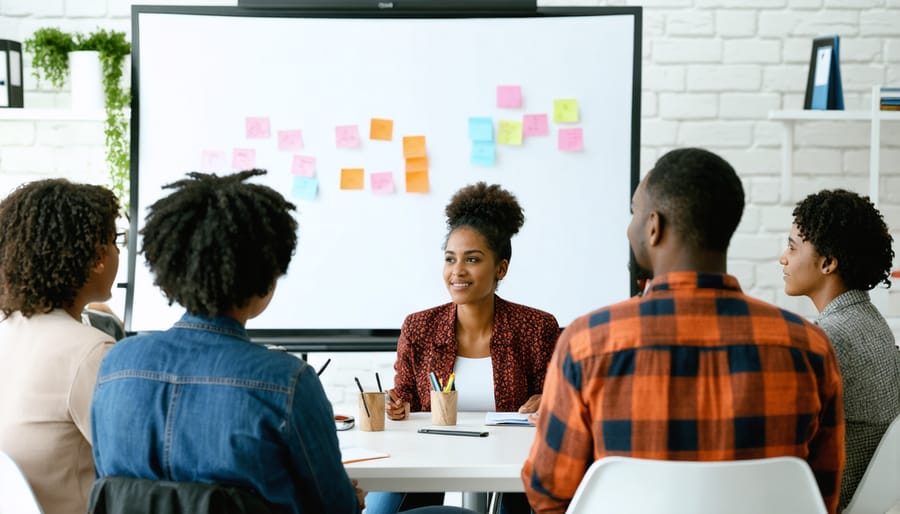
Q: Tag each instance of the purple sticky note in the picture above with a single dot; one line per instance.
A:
(382, 183)
(257, 127)
(303, 166)
(243, 158)
(509, 97)
(289, 140)
(534, 125)
(212, 160)
(346, 136)
(570, 140)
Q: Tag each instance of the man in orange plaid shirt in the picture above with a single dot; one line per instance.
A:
(694, 369)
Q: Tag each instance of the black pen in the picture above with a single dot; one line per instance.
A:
(319, 373)
(379, 382)
(362, 395)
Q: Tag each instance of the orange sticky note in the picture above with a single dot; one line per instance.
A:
(353, 178)
(417, 164)
(413, 146)
(381, 130)
(417, 182)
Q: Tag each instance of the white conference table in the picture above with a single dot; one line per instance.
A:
(438, 463)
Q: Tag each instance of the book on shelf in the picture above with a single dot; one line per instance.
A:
(889, 98)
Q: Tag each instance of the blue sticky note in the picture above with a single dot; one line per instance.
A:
(481, 129)
(483, 153)
(305, 188)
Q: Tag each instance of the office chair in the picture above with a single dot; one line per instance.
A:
(627, 485)
(16, 496)
(879, 488)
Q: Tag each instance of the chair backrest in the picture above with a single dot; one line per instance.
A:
(16, 496)
(630, 485)
(125, 495)
(879, 488)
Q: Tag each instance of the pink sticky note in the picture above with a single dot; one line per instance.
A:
(509, 97)
(382, 183)
(289, 140)
(303, 166)
(346, 136)
(257, 128)
(534, 125)
(212, 160)
(570, 140)
(243, 158)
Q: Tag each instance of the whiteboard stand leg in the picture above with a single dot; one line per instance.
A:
(875, 146)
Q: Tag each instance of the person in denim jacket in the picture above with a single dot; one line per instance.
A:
(200, 402)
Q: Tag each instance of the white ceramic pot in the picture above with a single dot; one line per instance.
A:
(86, 74)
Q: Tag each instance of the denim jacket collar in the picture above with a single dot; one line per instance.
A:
(220, 325)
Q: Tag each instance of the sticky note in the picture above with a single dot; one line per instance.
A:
(303, 166)
(509, 97)
(413, 146)
(346, 136)
(243, 159)
(212, 160)
(565, 111)
(483, 153)
(417, 164)
(353, 178)
(381, 130)
(481, 129)
(509, 133)
(571, 140)
(382, 182)
(289, 140)
(257, 127)
(305, 188)
(534, 125)
(417, 182)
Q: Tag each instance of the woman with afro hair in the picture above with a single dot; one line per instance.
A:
(57, 253)
(838, 249)
(498, 350)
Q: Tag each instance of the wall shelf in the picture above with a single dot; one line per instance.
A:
(50, 114)
(874, 116)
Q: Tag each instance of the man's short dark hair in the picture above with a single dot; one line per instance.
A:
(699, 196)
(847, 227)
(216, 242)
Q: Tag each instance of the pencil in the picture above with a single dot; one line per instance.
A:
(319, 373)
(378, 380)
(362, 394)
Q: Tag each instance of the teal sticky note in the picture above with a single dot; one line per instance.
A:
(305, 188)
(483, 153)
(481, 129)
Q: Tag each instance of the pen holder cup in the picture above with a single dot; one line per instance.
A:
(373, 421)
(443, 408)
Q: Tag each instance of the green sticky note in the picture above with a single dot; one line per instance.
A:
(565, 111)
(509, 133)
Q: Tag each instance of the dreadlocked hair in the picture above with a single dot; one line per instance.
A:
(847, 227)
(216, 242)
(491, 211)
(51, 232)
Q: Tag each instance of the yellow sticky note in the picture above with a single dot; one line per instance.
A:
(353, 178)
(565, 111)
(509, 133)
(381, 130)
(417, 182)
(413, 146)
(416, 164)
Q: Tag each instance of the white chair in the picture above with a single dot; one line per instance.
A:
(624, 485)
(15, 493)
(879, 488)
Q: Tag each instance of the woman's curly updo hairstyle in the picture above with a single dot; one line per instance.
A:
(216, 242)
(51, 232)
(491, 211)
(847, 227)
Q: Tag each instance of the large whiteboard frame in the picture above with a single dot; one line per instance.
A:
(364, 261)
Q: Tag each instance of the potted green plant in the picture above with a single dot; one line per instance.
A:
(50, 48)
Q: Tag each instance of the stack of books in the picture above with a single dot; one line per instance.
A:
(890, 99)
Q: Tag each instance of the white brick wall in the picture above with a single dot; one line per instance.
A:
(712, 71)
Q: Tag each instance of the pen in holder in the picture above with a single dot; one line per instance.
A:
(443, 408)
(371, 412)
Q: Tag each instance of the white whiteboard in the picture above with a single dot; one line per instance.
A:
(365, 261)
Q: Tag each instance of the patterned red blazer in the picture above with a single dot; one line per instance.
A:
(522, 343)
